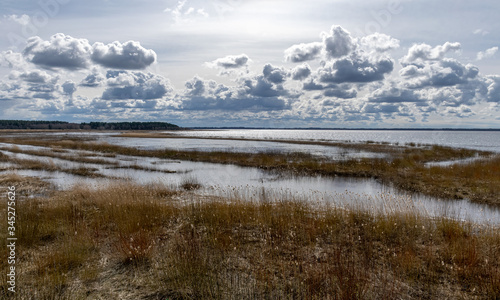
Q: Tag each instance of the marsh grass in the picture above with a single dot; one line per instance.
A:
(190, 183)
(148, 242)
(477, 181)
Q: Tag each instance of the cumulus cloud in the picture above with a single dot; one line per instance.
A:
(379, 42)
(69, 88)
(338, 42)
(199, 87)
(493, 94)
(340, 91)
(463, 111)
(446, 72)
(61, 51)
(252, 94)
(301, 72)
(423, 52)
(352, 81)
(129, 55)
(13, 60)
(274, 74)
(66, 52)
(34, 76)
(487, 53)
(394, 94)
(135, 85)
(230, 62)
(94, 79)
(303, 52)
(355, 69)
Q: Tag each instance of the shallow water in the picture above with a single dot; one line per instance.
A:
(256, 184)
(208, 145)
(480, 140)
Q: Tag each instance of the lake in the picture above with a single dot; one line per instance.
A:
(480, 140)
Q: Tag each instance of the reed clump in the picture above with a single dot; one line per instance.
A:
(148, 242)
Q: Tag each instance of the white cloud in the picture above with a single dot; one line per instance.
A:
(65, 52)
(338, 42)
(303, 52)
(230, 62)
(423, 52)
(22, 20)
(135, 85)
(481, 32)
(487, 54)
(379, 42)
(129, 55)
(61, 51)
(182, 13)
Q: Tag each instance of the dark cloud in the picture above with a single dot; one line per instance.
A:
(135, 85)
(199, 87)
(394, 94)
(355, 69)
(338, 42)
(311, 85)
(41, 88)
(274, 74)
(34, 76)
(380, 108)
(130, 55)
(69, 87)
(93, 80)
(254, 94)
(61, 51)
(46, 96)
(261, 87)
(343, 91)
(493, 89)
(301, 72)
(303, 52)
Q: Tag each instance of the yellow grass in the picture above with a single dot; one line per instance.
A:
(125, 241)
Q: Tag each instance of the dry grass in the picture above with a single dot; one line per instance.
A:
(27, 186)
(126, 241)
(57, 152)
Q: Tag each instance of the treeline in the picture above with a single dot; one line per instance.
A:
(60, 125)
(129, 126)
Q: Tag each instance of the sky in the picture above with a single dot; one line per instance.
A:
(253, 63)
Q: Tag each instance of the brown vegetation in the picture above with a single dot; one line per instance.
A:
(478, 181)
(126, 241)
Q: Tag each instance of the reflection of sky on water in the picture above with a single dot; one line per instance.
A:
(237, 146)
(251, 183)
(481, 140)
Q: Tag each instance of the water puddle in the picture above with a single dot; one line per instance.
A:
(257, 184)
